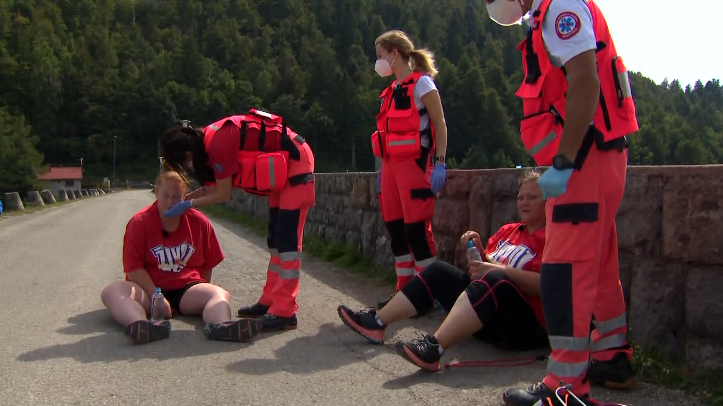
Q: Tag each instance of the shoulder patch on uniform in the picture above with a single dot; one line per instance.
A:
(567, 25)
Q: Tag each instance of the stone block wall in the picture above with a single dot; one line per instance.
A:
(670, 236)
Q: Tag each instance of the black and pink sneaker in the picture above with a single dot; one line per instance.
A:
(363, 322)
(423, 352)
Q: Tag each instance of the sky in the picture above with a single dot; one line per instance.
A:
(665, 38)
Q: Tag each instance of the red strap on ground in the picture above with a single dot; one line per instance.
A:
(499, 362)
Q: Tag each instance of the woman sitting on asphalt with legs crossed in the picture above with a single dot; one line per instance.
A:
(176, 254)
(496, 301)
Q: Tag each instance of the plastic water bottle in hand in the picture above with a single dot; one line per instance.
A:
(157, 306)
(472, 252)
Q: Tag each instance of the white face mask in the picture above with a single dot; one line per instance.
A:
(505, 12)
(383, 67)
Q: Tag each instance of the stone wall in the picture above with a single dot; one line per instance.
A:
(670, 236)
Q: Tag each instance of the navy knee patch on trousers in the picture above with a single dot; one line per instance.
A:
(417, 237)
(556, 290)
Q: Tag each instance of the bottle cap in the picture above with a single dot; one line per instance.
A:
(158, 290)
(470, 244)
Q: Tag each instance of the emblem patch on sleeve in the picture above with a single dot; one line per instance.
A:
(567, 25)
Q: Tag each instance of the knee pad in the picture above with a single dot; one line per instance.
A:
(287, 238)
(398, 237)
(273, 220)
(417, 238)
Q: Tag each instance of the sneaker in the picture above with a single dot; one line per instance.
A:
(540, 394)
(384, 302)
(363, 322)
(238, 331)
(144, 331)
(423, 352)
(271, 322)
(254, 311)
(616, 373)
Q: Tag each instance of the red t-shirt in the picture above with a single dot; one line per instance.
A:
(223, 150)
(173, 261)
(513, 246)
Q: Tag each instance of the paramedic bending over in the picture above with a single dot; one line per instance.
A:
(411, 140)
(213, 155)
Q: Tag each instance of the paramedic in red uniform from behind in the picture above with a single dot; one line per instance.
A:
(578, 112)
(411, 140)
(258, 153)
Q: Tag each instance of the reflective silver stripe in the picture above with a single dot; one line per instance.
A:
(569, 343)
(213, 127)
(425, 262)
(271, 172)
(402, 142)
(625, 84)
(542, 144)
(274, 268)
(567, 370)
(615, 340)
(289, 274)
(274, 252)
(289, 256)
(605, 326)
(405, 271)
(404, 258)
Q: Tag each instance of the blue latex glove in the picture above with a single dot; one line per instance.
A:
(554, 182)
(439, 176)
(178, 209)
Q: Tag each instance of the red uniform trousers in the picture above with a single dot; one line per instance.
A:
(580, 274)
(287, 216)
(407, 204)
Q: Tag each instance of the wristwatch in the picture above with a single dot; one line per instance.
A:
(439, 159)
(560, 162)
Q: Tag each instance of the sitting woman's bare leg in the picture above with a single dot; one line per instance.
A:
(211, 302)
(129, 306)
(460, 323)
(440, 280)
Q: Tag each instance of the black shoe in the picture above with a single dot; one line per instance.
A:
(616, 373)
(270, 322)
(384, 302)
(423, 352)
(239, 331)
(363, 322)
(544, 395)
(254, 311)
(144, 331)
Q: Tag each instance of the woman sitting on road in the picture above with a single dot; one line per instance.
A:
(500, 306)
(176, 254)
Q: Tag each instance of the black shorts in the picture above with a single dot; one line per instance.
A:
(174, 296)
(507, 319)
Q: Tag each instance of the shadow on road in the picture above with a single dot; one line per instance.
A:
(111, 345)
(310, 353)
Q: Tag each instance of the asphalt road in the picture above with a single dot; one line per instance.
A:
(60, 347)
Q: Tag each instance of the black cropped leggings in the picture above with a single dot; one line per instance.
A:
(507, 319)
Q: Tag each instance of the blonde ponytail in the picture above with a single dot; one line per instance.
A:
(424, 62)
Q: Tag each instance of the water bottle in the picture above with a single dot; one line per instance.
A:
(472, 252)
(157, 306)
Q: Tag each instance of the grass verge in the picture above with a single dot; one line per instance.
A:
(29, 209)
(341, 255)
(649, 364)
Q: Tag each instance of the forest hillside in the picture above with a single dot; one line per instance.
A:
(74, 74)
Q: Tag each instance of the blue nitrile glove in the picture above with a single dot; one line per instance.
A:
(379, 181)
(178, 209)
(439, 175)
(554, 182)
